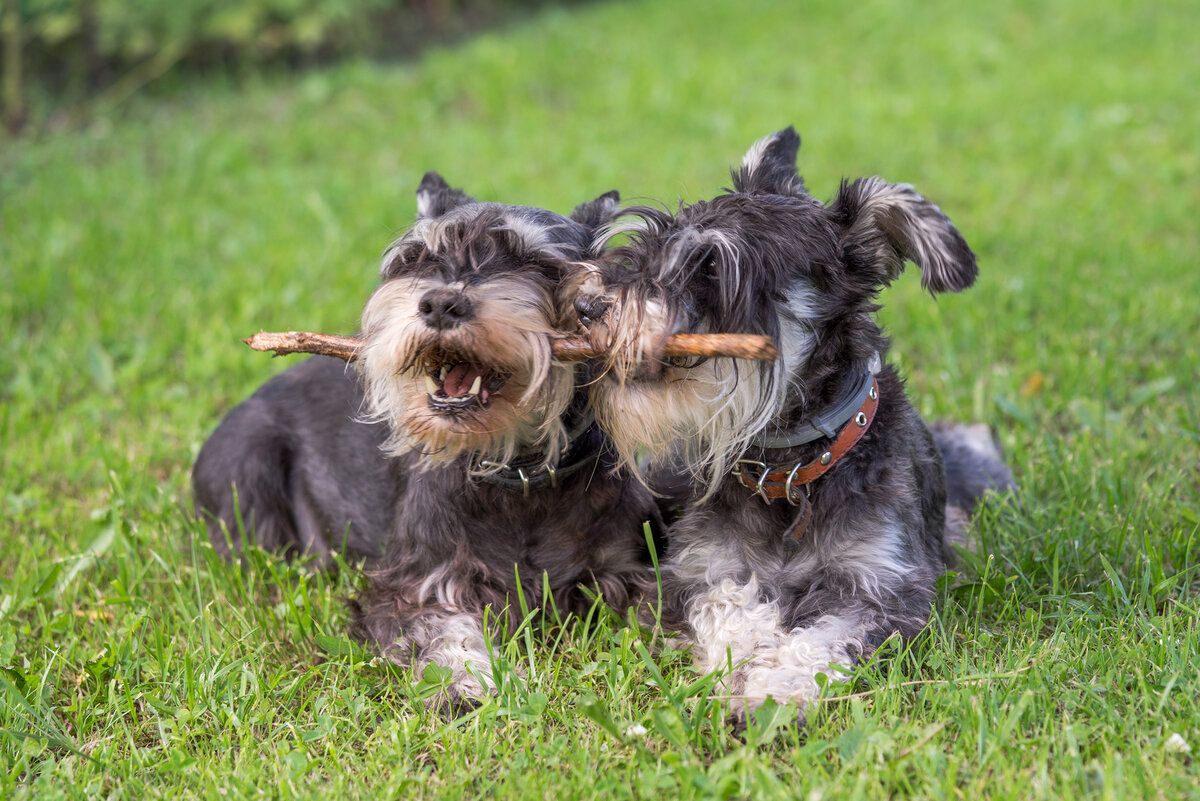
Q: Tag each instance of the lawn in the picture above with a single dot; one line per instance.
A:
(1062, 657)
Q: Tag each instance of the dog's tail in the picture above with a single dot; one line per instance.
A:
(974, 465)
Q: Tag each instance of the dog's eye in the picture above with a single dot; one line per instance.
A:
(686, 362)
(397, 266)
(416, 262)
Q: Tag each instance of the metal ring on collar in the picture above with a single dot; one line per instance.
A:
(788, 487)
(758, 485)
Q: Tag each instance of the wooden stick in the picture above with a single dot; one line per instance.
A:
(736, 346)
(285, 342)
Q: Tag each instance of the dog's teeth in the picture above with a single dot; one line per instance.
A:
(442, 377)
(432, 387)
(475, 385)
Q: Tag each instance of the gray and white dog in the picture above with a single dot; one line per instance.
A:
(485, 464)
(511, 487)
(848, 545)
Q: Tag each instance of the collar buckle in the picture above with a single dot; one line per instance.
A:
(763, 469)
(782, 482)
(522, 476)
(583, 449)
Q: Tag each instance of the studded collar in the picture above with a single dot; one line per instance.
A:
(529, 472)
(792, 481)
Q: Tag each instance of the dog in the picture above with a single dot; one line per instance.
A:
(507, 489)
(298, 468)
(817, 525)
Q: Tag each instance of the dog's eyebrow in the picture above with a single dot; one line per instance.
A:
(543, 239)
(687, 247)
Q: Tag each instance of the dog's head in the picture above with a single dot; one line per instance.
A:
(762, 258)
(456, 350)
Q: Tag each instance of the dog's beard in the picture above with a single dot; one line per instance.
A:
(487, 386)
(705, 414)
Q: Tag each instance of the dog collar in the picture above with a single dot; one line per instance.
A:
(532, 472)
(826, 424)
(785, 482)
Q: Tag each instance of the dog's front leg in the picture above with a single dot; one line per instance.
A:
(454, 641)
(738, 629)
(789, 669)
(416, 621)
(731, 622)
(774, 624)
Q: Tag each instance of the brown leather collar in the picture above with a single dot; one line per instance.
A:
(785, 482)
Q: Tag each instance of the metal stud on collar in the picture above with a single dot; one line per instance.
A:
(826, 458)
(860, 419)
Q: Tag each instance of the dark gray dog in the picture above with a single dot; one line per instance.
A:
(818, 524)
(485, 463)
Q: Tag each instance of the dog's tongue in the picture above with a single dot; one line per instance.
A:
(460, 377)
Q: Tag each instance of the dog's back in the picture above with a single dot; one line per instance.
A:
(298, 468)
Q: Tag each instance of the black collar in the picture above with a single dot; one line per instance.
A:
(531, 471)
(826, 423)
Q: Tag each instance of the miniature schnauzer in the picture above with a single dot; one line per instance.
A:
(487, 466)
(511, 487)
(818, 523)
(488, 469)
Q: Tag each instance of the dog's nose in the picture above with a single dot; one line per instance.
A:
(444, 308)
(590, 308)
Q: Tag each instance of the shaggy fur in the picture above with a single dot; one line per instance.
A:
(456, 361)
(767, 258)
(455, 370)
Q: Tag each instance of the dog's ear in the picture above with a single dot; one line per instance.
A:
(596, 213)
(769, 166)
(888, 224)
(435, 197)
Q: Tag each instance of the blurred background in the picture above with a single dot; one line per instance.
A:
(64, 56)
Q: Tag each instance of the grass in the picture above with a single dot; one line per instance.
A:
(1061, 659)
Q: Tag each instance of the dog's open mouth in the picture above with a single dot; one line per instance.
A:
(456, 381)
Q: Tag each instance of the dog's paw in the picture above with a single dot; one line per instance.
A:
(452, 703)
(747, 713)
(788, 673)
(801, 693)
(453, 690)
